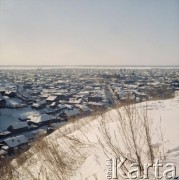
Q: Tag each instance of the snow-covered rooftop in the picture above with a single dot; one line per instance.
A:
(16, 141)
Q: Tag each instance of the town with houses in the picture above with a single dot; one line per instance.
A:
(35, 102)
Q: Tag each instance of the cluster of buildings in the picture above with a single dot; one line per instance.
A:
(37, 101)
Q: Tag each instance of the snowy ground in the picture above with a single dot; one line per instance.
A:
(164, 110)
(10, 116)
(163, 113)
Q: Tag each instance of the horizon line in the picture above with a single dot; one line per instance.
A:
(88, 65)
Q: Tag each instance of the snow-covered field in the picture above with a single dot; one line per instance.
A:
(163, 114)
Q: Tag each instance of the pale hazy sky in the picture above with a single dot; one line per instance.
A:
(89, 32)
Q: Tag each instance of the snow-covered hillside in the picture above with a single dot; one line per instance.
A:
(164, 114)
(85, 149)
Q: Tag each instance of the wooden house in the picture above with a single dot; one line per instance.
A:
(14, 143)
(11, 94)
(18, 127)
(43, 119)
